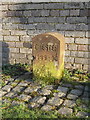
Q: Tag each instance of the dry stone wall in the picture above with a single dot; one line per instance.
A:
(22, 21)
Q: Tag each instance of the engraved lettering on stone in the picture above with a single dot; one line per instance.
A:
(47, 47)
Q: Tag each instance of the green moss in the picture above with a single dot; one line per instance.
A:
(47, 72)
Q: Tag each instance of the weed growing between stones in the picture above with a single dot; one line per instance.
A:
(47, 73)
(23, 110)
(75, 76)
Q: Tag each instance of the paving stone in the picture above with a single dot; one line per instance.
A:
(82, 114)
(83, 106)
(3, 93)
(7, 88)
(17, 81)
(23, 84)
(49, 87)
(13, 84)
(73, 77)
(5, 101)
(6, 81)
(67, 85)
(72, 97)
(44, 92)
(79, 87)
(69, 103)
(63, 89)
(76, 92)
(59, 94)
(86, 100)
(87, 88)
(38, 99)
(55, 101)
(31, 89)
(29, 80)
(86, 94)
(47, 108)
(18, 89)
(24, 97)
(11, 95)
(65, 111)
(28, 90)
(16, 102)
(34, 105)
(11, 80)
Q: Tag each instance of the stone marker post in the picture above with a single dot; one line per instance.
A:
(48, 56)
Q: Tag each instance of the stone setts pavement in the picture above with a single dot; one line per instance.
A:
(63, 97)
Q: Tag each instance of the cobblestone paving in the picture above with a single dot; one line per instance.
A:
(66, 98)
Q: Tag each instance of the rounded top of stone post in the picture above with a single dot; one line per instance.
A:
(56, 35)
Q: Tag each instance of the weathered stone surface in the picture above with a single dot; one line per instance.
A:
(33, 105)
(74, 12)
(46, 49)
(5, 101)
(62, 96)
(66, 26)
(55, 101)
(59, 94)
(53, 6)
(79, 87)
(69, 103)
(83, 106)
(3, 93)
(7, 88)
(18, 89)
(67, 85)
(49, 87)
(86, 100)
(64, 12)
(24, 97)
(87, 88)
(11, 80)
(28, 80)
(86, 94)
(72, 97)
(31, 89)
(82, 114)
(6, 81)
(16, 103)
(22, 84)
(78, 41)
(65, 111)
(9, 38)
(76, 92)
(13, 84)
(39, 100)
(47, 108)
(44, 92)
(63, 89)
(11, 95)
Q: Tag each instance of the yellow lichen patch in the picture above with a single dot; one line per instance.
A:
(47, 72)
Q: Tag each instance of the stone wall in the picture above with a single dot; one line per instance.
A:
(22, 21)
